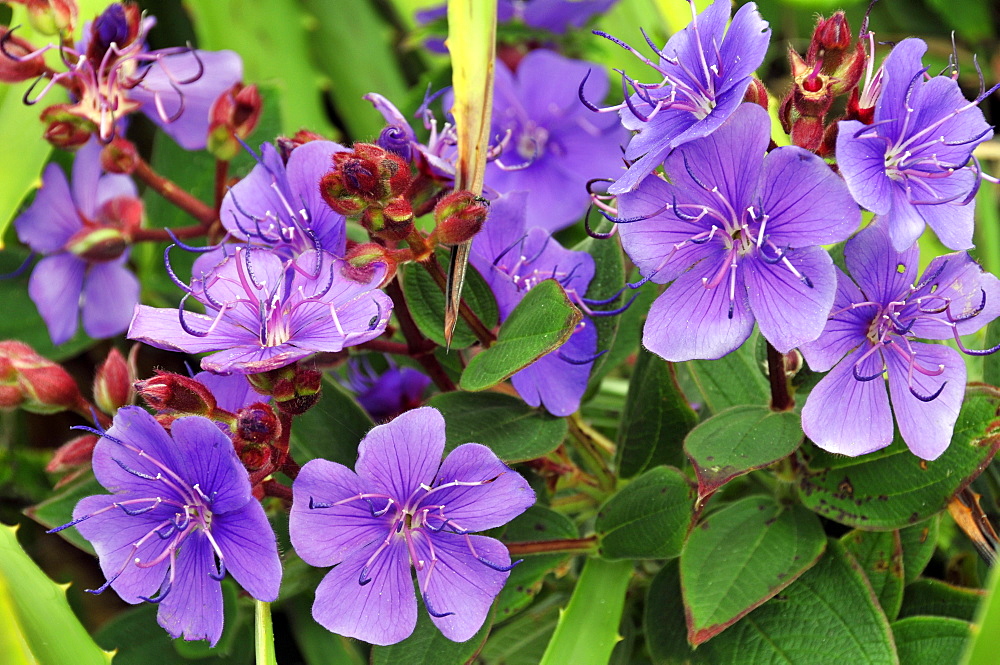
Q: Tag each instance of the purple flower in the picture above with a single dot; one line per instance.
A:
(402, 507)
(232, 392)
(705, 72)
(265, 313)
(911, 164)
(513, 260)
(83, 234)
(384, 396)
(436, 157)
(737, 233)
(279, 205)
(180, 516)
(111, 74)
(874, 323)
(554, 145)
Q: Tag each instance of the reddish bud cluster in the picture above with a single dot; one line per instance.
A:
(371, 182)
(35, 383)
(458, 217)
(362, 258)
(119, 156)
(832, 67)
(293, 388)
(234, 115)
(50, 17)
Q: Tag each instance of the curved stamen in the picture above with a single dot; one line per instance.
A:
(858, 376)
(927, 398)
(164, 591)
(580, 361)
(170, 271)
(597, 235)
(497, 567)
(21, 269)
(184, 326)
(614, 312)
(430, 608)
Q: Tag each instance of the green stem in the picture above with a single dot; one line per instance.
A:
(264, 634)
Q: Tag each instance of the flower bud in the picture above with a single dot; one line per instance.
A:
(295, 389)
(65, 129)
(458, 217)
(75, 452)
(831, 42)
(50, 17)
(361, 260)
(368, 176)
(257, 424)
(119, 156)
(175, 393)
(96, 245)
(393, 221)
(112, 384)
(33, 382)
(234, 115)
(756, 93)
(17, 68)
(118, 24)
(395, 140)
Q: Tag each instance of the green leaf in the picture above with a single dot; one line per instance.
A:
(741, 556)
(522, 640)
(426, 303)
(276, 57)
(937, 598)
(931, 640)
(58, 509)
(894, 488)
(36, 622)
(513, 430)
(540, 323)
(829, 616)
(656, 418)
(981, 649)
(588, 627)
(663, 619)
(318, 645)
(535, 524)
(648, 519)
(609, 277)
(880, 555)
(332, 429)
(991, 363)
(739, 440)
(427, 646)
(919, 542)
(731, 380)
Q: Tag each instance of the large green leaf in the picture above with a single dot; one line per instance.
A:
(739, 440)
(734, 379)
(538, 523)
(936, 598)
(655, 420)
(931, 640)
(588, 627)
(427, 646)
(522, 640)
(426, 302)
(540, 323)
(332, 429)
(919, 542)
(880, 555)
(741, 556)
(663, 619)
(648, 519)
(609, 278)
(893, 488)
(58, 509)
(513, 430)
(36, 623)
(829, 616)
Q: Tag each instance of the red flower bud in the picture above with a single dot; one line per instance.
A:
(119, 156)
(362, 259)
(175, 393)
(294, 389)
(96, 245)
(234, 114)
(831, 42)
(368, 176)
(16, 69)
(112, 384)
(756, 93)
(35, 383)
(75, 452)
(50, 17)
(257, 424)
(64, 129)
(458, 217)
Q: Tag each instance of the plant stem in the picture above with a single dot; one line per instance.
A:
(264, 634)
(173, 193)
(276, 489)
(388, 346)
(417, 344)
(566, 546)
(781, 396)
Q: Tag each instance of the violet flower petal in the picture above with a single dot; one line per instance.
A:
(110, 294)
(552, 382)
(325, 536)
(458, 583)
(206, 457)
(689, 321)
(503, 496)
(845, 329)
(847, 416)
(862, 163)
(968, 290)
(404, 454)
(926, 426)
(789, 311)
(193, 589)
(116, 466)
(250, 549)
(383, 611)
(55, 287)
(47, 224)
(882, 273)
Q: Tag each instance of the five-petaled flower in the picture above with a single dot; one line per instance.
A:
(875, 322)
(705, 69)
(182, 514)
(265, 313)
(737, 232)
(402, 507)
(911, 165)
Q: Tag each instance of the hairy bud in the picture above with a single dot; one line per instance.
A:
(33, 382)
(65, 129)
(257, 424)
(113, 383)
(74, 453)
(458, 217)
(371, 182)
(295, 389)
(362, 259)
(175, 393)
(119, 156)
(234, 115)
(96, 245)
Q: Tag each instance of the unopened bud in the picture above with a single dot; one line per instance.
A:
(50, 17)
(176, 393)
(361, 260)
(14, 67)
(112, 384)
(831, 42)
(119, 156)
(258, 424)
(119, 25)
(96, 245)
(65, 129)
(458, 217)
(365, 177)
(397, 141)
(33, 382)
(294, 389)
(74, 453)
(756, 93)
(233, 116)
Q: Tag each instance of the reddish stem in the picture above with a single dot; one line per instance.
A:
(568, 546)
(274, 488)
(479, 329)
(173, 193)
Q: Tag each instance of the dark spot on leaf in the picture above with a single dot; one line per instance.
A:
(540, 526)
